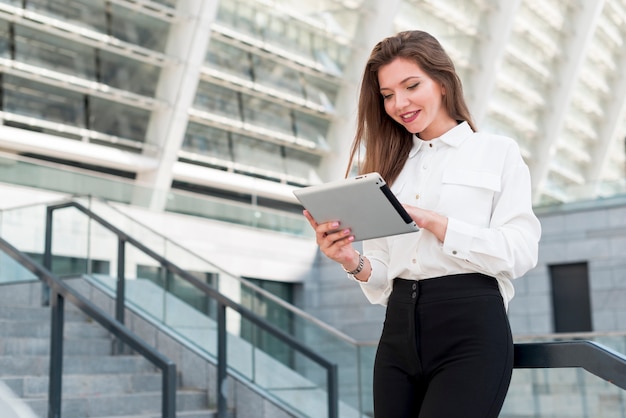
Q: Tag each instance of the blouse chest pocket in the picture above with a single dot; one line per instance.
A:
(468, 195)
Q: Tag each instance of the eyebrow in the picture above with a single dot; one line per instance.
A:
(402, 82)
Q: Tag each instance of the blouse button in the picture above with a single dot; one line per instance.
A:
(454, 252)
(413, 261)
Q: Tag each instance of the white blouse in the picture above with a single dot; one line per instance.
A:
(481, 183)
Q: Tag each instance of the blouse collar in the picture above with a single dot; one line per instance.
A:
(454, 138)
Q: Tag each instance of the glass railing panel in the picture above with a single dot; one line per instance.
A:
(367, 354)
(11, 271)
(279, 370)
(342, 352)
(562, 393)
(24, 228)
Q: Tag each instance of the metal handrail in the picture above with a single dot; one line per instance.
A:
(222, 303)
(597, 359)
(61, 292)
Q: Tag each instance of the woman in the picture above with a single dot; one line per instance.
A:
(446, 348)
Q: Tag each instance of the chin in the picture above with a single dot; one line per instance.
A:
(414, 130)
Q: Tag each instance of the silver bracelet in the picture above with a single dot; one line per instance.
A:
(358, 269)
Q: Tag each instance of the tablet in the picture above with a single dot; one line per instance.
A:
(365, 204)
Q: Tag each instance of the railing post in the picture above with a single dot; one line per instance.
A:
(333, 392)
(47, 257)
(169, 391)
(120, 294)
(56, 356)
(222, 388)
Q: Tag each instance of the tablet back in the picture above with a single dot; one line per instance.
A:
(365, 204)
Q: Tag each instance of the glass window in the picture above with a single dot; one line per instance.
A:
(58, 54)
(84, 13)
(4, 39)
(321, 91)
(229, 59)
(239, 16)
(118, 119)
(139, 29)
(332, 56)
(259, 154)
(280, 77)
(208, 141)
(41, 101)
(168, 3)
(218, 100)
(302, 164)
(125, 74)
(287, 34)
(311, 128)
(266, 114)
(227, 13)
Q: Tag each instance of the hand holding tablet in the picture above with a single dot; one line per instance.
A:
(364, 203)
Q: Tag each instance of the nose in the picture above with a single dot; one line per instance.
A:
(402, 100)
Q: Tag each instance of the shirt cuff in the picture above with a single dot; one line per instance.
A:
(458, 239)
(375, 280)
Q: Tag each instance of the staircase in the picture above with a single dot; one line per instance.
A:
(95, 382)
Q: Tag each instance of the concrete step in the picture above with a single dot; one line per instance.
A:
(95, 383)
(86, 385)
(39, 365)
(41, 329)
(26, 312)
(116, 405)
(27, 346)
(208, 413)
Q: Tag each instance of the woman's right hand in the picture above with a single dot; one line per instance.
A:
(334, 242)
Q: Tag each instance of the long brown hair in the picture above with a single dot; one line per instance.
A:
(387, 143)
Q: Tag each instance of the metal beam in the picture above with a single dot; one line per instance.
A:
(375, 23)
(187, 41)
(611, 125)
(497, 25)
(583, 23)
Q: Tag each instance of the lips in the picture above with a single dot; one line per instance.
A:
(410, 116)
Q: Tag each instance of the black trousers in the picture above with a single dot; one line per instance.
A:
(446, 350)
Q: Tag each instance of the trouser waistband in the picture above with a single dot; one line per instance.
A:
(444, 287)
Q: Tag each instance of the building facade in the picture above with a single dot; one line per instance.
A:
(220, 109)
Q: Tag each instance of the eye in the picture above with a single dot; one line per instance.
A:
(413, 86)
(387, 96)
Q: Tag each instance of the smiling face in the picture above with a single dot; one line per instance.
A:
(413, 99)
